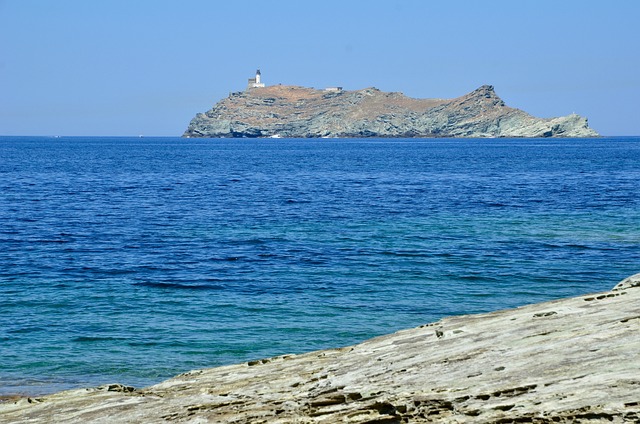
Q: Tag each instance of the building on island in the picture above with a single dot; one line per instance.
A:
(255, 82)
(333, 89)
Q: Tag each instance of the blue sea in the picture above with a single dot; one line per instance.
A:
(134, 259)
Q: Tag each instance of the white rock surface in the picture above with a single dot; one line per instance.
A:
(571, 360)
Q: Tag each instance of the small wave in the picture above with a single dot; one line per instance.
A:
(567, 246)
(405, 254)
(227, 258)
(244, 242)
(60, 241)
(477, 278)
(179, 286)
(578, 246)
(143, 344)
(25, 330)
(294, 201)
(27, 220)
(83, 339)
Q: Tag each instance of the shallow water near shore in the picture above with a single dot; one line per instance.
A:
(134, 259)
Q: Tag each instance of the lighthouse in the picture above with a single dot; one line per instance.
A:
(255, 82)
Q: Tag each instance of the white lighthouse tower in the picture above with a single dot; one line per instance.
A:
(255, 82)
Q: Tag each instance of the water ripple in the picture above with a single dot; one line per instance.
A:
(133, 260)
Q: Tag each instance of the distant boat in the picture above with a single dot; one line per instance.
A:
(276, 136)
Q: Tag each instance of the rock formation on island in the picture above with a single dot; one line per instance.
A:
(298, 112)
(565, 361)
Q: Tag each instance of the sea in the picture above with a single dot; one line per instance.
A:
(131, 260)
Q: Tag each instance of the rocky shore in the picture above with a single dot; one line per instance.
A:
(299, 112)
(565, 361)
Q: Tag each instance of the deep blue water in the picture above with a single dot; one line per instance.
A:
(131, 260)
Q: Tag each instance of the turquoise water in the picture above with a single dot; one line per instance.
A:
(133, 259)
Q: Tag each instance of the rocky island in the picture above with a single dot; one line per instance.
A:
(565, 361)
(299, 112)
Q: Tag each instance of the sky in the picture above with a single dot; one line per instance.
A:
(146, 67)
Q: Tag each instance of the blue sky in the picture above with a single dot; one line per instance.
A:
(129, 67)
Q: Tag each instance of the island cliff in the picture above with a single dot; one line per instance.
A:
(565, 361)
(298, 112)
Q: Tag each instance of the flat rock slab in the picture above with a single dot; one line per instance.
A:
(567, 361)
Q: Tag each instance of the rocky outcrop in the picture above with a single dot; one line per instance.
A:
(288, 111)
(565, 361)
